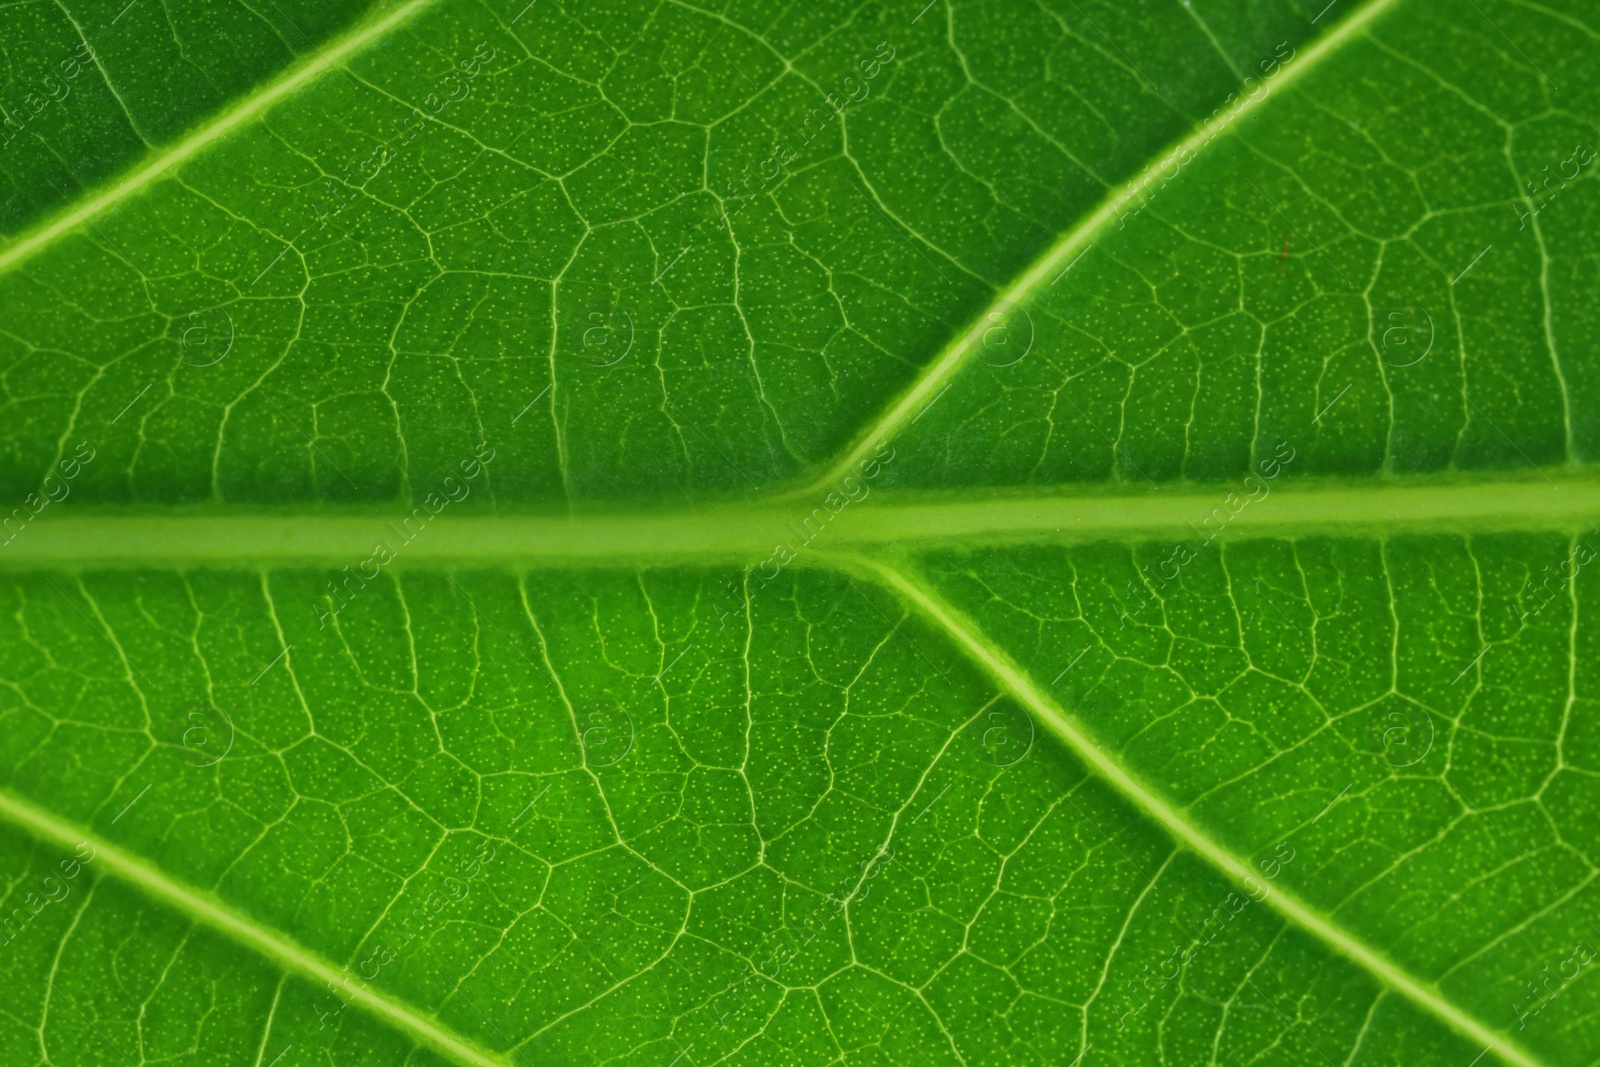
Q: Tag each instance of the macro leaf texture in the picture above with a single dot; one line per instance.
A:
(945, 533)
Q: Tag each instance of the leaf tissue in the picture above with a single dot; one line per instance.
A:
(687, 533)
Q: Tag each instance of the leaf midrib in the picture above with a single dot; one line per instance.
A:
(745, 533)
(214, 914)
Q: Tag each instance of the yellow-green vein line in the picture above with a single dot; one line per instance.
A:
(1015, 681)
(208, 911)
(70, 216)
(960, 350)
(747, 532)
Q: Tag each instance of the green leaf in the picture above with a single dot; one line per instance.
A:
(89, 87)
(950, 534)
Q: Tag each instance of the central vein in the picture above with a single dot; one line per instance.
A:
(748, 532)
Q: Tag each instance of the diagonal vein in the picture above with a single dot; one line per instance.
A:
(69, 216)
(208, 911)
(1016, 682)
(956, 354)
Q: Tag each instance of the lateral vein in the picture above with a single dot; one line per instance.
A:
(70, 216)
(960, 350)
(211, 912)
(1016, 682)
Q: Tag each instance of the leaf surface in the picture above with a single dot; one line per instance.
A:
(961, 534)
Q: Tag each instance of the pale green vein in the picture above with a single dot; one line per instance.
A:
(1016, 682)
(962, 348)
(210, 912)
(747, 532)
(71, 216)
(105, 76)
